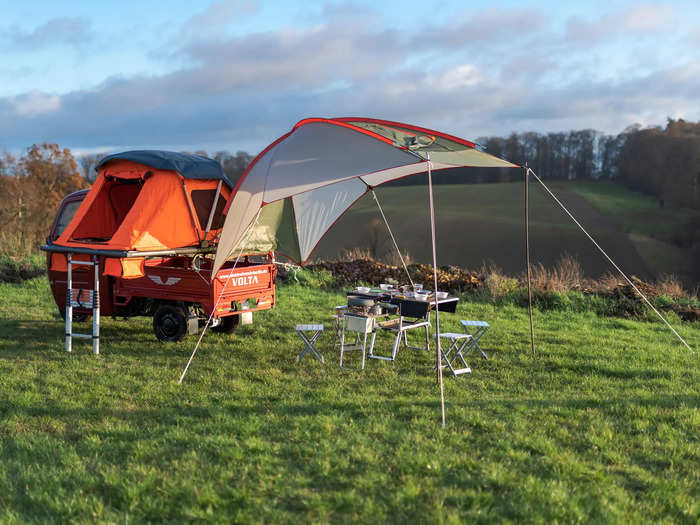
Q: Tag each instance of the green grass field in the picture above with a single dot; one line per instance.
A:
(603, 426)
(480, 223)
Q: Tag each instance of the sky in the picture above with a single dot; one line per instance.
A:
(235, 75)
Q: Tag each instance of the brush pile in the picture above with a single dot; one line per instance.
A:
(348, 273)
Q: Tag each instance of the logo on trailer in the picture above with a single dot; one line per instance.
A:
(168, 282)
(242, 278)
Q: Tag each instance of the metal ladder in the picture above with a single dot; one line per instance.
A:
(80, 297)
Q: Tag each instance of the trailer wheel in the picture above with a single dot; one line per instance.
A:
(169, 323)
(228, 324)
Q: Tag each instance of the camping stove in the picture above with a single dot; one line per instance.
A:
(364, 307)
(367, 307)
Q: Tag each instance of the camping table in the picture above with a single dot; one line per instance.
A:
(411, 309)
(449, 304)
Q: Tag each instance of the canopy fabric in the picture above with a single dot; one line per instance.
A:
(137, 207)
(186, 164)
(308, 178)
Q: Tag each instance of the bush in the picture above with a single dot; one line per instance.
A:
(15, 269)
(498, 285)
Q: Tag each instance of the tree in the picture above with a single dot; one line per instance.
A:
(31, 188)
(87, 165)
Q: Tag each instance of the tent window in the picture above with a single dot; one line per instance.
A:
(109, 209)
(202, 200)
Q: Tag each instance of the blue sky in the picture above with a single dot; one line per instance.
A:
(235, 75)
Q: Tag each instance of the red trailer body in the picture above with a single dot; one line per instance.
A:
(176, 290)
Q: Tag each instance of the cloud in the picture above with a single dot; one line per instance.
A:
(637, 20)
(241, 92)
(221, 13)
(488, 26)
(34, 103)
(73, 32)
(292, 58)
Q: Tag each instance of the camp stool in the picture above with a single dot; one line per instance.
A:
(315, 330)
(455, 350)
(476, 329)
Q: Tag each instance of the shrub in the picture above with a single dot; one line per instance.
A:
(498, 285)
(16, 269)
(564, 276)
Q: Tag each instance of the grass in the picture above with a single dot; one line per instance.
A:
(635, 212)
(652, 229)
(602, 426)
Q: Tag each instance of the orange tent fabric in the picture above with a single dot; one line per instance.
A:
(135, 207)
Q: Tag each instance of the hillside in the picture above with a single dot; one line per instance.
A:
(482, 223)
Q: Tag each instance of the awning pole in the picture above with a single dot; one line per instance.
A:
(438, 351)
(527, 257)
(191, 208)
(213, 209)
(392, 235)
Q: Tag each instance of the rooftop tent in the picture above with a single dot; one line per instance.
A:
(149, 201)
(302, 183)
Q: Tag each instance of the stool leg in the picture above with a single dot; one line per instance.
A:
(342, 345)
(309, 346)
(364, 346)
(313, 349)
(303, 352)
(480, 333)
(461, 355)
(371, 343)
(395, 350)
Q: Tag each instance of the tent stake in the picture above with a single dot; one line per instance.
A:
(527, 257)
(438, 351)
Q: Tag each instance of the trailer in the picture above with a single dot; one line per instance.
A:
(140, 243)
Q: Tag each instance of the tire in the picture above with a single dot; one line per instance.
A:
(170, 323)
(77, 318)
(228, 324)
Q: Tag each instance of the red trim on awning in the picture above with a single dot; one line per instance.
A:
(346, 125)
(406, 126)
(250, 167)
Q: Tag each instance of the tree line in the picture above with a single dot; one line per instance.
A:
(33, 185)
(661, 161)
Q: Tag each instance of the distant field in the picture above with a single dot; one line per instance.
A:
(602, 427)
(481, 223)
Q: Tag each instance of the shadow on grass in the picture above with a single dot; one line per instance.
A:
(282, 412)
(587, 369)
(117, 337)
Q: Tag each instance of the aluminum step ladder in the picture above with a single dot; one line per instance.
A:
(81, 298)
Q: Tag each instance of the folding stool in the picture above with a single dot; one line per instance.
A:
(315, 330)
(455, 350)
(479, 329)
